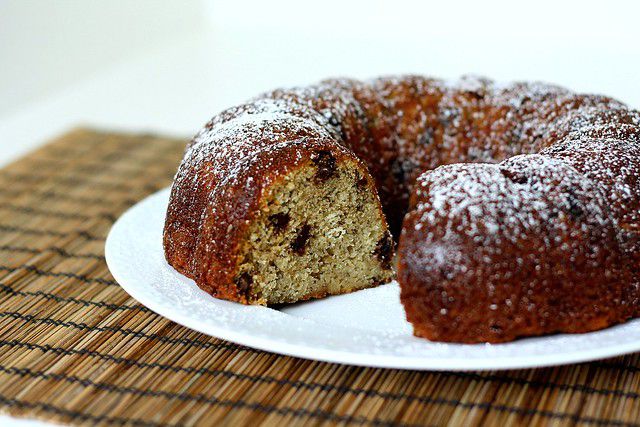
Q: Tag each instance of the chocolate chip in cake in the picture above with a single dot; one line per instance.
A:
(299, 244)
(243, 282)
(279, 221)
(384, 250)
(326, 164)
(376, 281)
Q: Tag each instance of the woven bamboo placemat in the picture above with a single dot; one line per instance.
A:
(75, 348)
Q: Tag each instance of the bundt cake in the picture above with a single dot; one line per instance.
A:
(515, 208)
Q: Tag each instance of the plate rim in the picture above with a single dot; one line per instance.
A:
(279, 346)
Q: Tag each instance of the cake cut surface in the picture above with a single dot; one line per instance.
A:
(516, 207)
(319, 232)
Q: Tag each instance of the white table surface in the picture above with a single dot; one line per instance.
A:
(176, 89)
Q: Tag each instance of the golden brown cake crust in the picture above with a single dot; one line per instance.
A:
(536, 232)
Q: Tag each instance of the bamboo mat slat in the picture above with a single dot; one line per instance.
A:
(75, 348)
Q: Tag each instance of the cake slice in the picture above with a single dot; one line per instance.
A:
(319, 231)
(263, 216)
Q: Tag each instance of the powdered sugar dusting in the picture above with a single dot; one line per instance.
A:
(471, 146)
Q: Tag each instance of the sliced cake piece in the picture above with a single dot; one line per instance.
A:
(319, 231)
(282, 222)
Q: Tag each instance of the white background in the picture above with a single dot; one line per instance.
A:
(167, 66)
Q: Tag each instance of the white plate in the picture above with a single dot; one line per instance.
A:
(365, 328)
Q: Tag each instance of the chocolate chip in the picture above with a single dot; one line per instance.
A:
(279, 221)
(299, 244)
(376, 281)
(514, 176)
(326, 164)
(384, 250)
(243, 282)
